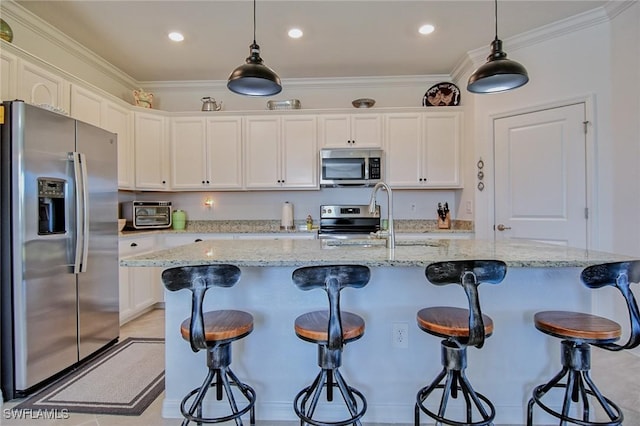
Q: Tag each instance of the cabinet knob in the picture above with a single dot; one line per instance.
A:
(164, 182)
(198, 240)
(203, 182)
(207, 181)
(134, 245)
(501, 227)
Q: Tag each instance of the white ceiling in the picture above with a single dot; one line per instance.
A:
(341, 38)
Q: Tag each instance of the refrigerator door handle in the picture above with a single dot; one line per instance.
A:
(82, 212)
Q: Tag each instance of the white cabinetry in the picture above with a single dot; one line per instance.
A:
(86, 105)
(39, 86)
(151, 152)
(423, 149)
(119, 120)
(139, 287)
(95, 109)
(206, 153)
(281, 152)
(351, 130)
(8, 75)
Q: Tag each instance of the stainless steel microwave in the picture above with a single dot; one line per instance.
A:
(351, 167)
(147, 214)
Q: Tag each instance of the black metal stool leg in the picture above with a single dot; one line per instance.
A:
(349, 398)
(454, 362)
(218, 361)
(576, 363)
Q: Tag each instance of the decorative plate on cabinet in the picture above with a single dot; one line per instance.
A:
(442, 94)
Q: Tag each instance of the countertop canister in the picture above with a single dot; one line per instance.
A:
(178, 219)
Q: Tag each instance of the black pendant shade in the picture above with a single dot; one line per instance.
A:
(254, 78)
(498, 74)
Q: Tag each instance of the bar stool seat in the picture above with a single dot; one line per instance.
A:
(577, 325)
(579, 331)
(445, 321)
(221, 326)
(313, 327)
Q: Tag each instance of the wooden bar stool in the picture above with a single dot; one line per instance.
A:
(459, 328)
(212, 331)
(330, 330)
(578, 332)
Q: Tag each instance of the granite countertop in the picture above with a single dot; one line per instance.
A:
(295, 253)
(273, 226)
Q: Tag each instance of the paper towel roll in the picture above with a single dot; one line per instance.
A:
(287, 216)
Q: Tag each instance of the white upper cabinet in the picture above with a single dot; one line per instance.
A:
(119, 120)
(299, 149)
(281, 152)
(351, 130)
(86, 105)
(92, 108)
(8, 76)
(188, 148)
(151, 152)
(423, 149)
(38, 86)
(224, 152)
(206, 153)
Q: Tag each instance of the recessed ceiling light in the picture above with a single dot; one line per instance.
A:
(426, 29)
(295, 33)
(176, 36)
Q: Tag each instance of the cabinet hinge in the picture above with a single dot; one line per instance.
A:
(586, 212)
(585, 126)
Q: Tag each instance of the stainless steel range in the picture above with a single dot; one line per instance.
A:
(348, 221)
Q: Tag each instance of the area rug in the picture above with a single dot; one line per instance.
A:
(124, 380)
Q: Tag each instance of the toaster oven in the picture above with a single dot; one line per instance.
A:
(147, 214)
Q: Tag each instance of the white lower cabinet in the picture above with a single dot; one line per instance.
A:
(139, 287)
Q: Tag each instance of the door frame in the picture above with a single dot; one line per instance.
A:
(591, 166)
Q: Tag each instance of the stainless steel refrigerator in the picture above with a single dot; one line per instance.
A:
(58, 245)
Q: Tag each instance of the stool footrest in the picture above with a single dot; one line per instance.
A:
(578, 387)
(223, 383)
(455, 382)
(329, 378)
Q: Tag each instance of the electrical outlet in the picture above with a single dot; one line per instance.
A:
(413, 207)
(400, 336)
(469, 207)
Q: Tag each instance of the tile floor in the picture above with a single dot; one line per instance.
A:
(622, 375)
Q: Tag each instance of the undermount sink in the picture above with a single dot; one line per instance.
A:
(379, 242)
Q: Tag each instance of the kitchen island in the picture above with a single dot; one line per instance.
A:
(278, 364)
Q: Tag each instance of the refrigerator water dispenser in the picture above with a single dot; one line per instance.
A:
(51, 198)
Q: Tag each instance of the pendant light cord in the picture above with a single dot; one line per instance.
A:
(254, 22)
(495, 13)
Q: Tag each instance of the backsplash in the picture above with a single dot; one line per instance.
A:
(267, 205)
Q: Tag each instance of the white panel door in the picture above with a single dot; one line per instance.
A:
(224, 146)
(262, 152)
(299, 152)
(188, 153)
(540, 176)
(86, 106)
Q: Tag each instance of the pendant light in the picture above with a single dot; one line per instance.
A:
(254, 78)
(498, 74)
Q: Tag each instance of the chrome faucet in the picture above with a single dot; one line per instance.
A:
(391, 237)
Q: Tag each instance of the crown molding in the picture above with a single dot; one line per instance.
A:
(597, 16)
(46, 31)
